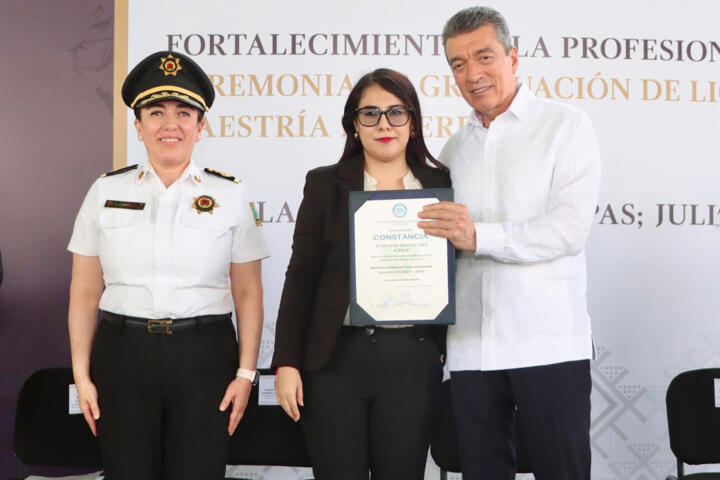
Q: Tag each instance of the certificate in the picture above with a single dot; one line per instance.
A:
(398, 273)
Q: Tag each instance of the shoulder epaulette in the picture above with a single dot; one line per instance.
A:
(220, 174)
(119, 170)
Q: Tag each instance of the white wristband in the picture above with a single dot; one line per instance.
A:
(246, 374)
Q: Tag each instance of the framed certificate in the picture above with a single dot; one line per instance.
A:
(398, 273)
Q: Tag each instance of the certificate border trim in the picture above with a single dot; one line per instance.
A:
(356, 199)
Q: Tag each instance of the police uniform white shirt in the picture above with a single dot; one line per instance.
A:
(530, 182)
(168, 259)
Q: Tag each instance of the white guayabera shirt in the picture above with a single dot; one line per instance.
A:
(166, 252)
(530, 182)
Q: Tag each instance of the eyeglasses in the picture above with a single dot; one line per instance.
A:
(396, 115)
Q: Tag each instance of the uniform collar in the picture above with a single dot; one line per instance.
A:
(145, 172)
(191, 172)
(520, 107)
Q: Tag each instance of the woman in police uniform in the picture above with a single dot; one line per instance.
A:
(164, 249)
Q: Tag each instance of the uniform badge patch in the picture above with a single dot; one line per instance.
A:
(204, 203)
(170, 65)
(258, 222)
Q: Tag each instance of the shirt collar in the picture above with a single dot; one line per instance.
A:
(370, 183)
(192, 171)
(409, 181)
(520, 106)
(146, 171)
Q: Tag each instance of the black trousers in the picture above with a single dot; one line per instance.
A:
(553, 404)
(372, 407)
(159, 398)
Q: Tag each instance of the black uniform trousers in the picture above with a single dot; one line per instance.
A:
(372, 407)
(553, 404)
(159, 398)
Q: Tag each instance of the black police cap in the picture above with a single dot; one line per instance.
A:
(168, 76)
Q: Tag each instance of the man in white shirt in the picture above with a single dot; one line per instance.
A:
(526, 173)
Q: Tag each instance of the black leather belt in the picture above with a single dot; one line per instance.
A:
(163, 326)
(420, 331)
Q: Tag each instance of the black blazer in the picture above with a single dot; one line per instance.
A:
(316, 294)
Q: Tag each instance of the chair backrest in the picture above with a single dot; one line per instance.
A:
(444, 446)
(45, 433)
(267, 436)
(693, 418)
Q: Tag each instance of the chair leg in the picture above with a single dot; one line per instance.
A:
(680, 469)
(443, 474)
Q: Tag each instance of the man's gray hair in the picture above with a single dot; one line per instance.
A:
(472, 18)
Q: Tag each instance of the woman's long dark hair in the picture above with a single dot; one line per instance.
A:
(400, 86)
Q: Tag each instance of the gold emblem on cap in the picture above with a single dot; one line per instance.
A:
(170, 65)
(204, 203)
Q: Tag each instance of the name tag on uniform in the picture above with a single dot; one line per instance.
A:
(125, 205)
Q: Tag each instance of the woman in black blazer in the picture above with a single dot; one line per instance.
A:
(366, 395)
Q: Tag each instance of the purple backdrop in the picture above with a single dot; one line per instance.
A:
(56, 138)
